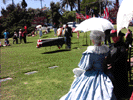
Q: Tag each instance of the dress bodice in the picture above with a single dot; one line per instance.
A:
(93, 58)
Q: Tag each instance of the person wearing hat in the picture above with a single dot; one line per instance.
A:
(118, 64)
(92, 83)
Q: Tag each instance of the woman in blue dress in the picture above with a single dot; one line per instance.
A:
(93, 83)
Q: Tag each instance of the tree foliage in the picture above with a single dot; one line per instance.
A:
(24, 4)
(15, 18)
(55, 12)
(66, 3)
(68, 16)
(87, 4)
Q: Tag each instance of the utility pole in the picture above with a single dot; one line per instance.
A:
(79, 5)
(100, 7)
(41, 4)
(117, 2)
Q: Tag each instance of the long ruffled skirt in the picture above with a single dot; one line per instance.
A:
(91, 85)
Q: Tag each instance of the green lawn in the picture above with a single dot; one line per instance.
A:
(46, 84)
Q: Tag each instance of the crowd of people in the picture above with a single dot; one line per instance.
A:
(103, 70)
(21, 35)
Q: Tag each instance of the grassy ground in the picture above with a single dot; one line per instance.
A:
(46, 84)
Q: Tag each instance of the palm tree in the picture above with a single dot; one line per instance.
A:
(4, 1)
(23, 4)
(71, 3)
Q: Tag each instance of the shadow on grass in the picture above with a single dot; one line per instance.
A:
(29, 42)
(44, 36)
(74, 42)
(4, 77)
(75, 47)
(55, 51)
(85, 45)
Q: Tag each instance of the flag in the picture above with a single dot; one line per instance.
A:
(106, 13)
(80, 16)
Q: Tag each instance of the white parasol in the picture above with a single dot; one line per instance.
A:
(125, 14)
(38, 26)
(99, 24)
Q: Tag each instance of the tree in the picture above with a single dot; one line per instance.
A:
(24, 4)
(71, 3)
(55, 12)
(15, 18)
(4, 1)
(90, 4)
(68, 16)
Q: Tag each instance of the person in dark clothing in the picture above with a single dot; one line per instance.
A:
(107, 36)
(15, 37)
(55, 29)
(24, 36)
(128, 37)
(68, 35)
(118, 61)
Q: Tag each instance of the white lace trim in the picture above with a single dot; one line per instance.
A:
(97, 49)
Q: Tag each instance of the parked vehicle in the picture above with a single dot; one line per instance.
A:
(48, 26)
(70, 24)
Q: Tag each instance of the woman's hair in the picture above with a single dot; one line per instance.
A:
(97, 36)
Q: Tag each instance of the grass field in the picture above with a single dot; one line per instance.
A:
(46, 84)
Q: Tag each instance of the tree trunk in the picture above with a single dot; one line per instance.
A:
(79, 5)
(117, 1)
(4, 1)
(71, 8)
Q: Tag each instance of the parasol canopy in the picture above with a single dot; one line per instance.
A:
(38, 26)
(94, 24)
(125, 14)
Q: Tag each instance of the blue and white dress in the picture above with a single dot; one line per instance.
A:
(93, 83)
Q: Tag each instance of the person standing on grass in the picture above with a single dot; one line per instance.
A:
(59, 31)
(24, 36)
(55, 29)
(25, 32)
(15, 37)
(20, 35)
(40, 31)
(128, 37)
(68, 35)
(6, 34)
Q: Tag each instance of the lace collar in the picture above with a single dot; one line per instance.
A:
(97, 49)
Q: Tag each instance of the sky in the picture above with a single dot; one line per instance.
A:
(32, 3)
